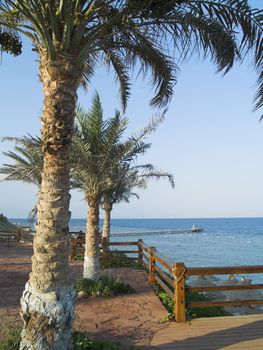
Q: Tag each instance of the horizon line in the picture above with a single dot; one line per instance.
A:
(165, 218)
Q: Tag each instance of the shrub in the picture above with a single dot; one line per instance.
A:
(196, 312)
(106, 286)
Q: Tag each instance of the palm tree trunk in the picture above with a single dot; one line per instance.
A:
(92, 254)
(106, 221)
(48, 299)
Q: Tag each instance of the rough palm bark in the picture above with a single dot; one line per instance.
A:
(91, 268)
(107, 206)
(48, 299)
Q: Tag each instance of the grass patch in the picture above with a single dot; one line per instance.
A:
(113, 259)
(117, 259)
(80, 341)
(106, 286)
(11, 339)
(197, 312)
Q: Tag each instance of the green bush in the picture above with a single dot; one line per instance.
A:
(196, 312)
(11, 339)
(106, 286)
(81, 341)
(206, 311)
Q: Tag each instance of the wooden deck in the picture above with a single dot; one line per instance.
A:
(229, 333)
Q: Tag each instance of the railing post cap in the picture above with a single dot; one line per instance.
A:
(179, 264)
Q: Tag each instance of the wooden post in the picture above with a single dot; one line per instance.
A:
(151, 277)
(72, 249)
(179, 292)
(140, 256)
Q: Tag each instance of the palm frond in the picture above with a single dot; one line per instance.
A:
(27, 160)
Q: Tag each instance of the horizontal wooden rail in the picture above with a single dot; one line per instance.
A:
(226, 270)
(122, 243)
(145, 257)
(163, 262)
(164, 276)
(224, 303)
(124, 251)
(164, 286)
(118, 258)
(222, 288)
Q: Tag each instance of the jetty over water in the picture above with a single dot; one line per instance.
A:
(152, 233)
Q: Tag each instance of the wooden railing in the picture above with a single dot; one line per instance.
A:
(11, 238)
(171, 277)
(77, 249)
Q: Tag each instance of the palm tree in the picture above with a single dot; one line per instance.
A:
(96, 152)
(70, 38)
(124, 180)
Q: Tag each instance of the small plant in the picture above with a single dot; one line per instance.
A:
(11, 338)
(211, 311)
(196, 312)
(106, 286)
(81, 341)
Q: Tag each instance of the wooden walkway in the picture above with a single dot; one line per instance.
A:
(228, 333)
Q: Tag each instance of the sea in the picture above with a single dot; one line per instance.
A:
(224, 241)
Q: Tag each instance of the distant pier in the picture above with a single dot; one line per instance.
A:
(152, 233)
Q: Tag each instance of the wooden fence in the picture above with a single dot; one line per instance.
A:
(77, 249)
(12, 238)
(170, 276)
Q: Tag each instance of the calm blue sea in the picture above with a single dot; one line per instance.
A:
(237, 241)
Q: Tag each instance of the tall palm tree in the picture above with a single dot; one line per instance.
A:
(70, 38)
(124, 180)
(96, 151)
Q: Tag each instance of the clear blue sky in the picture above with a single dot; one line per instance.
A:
(211, 140)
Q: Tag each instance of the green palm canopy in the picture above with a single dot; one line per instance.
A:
(121, 32)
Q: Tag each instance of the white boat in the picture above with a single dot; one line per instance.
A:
(196, 229)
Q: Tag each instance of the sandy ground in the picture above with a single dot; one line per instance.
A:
(131, 319)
